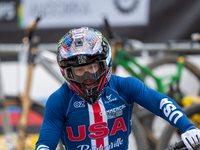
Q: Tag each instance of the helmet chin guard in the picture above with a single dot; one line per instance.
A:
(92, 95)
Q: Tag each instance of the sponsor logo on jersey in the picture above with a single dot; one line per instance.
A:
(117, 143)
(79, 104)
(170, 110)
(110, 99)
(115, 115)
(114, 112)
(116, 109)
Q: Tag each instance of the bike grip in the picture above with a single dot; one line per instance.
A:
(179, 145)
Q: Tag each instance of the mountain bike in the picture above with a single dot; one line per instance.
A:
(171, 134)
(168, 75)
(10, 103)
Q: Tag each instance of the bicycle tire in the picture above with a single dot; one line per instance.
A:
(169, 130)
(189, 68)
(190, 71)
(13, 103)
(139, 134)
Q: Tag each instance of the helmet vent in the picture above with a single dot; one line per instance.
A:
(79, 42)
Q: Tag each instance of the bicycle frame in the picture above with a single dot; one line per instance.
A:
(122, 57)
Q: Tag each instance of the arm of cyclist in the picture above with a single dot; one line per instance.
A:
(52, 124)
(166, 108)
(157, 103)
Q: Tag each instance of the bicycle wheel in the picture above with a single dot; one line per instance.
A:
(171, 134)
(10, 109)
(189, 83)
(138, 137)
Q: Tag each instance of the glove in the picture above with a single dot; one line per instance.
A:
(191, 138)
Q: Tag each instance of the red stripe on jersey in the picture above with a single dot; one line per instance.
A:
(98, 118)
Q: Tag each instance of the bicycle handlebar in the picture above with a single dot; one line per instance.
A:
(178, 145)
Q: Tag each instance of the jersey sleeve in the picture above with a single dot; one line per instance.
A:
(157, 103)
(52, 123)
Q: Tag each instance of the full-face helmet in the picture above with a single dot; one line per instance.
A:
(85, 54)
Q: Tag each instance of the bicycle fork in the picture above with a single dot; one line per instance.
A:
(175, 92)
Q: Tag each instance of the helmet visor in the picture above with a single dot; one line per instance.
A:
(90, 71)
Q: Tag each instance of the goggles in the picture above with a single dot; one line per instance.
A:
(90, 71)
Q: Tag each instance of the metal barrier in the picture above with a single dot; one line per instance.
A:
(180, 47)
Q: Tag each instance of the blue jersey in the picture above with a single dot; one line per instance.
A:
(105, 125)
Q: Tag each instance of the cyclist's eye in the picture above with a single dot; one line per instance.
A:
(91, 67)
(79, 71)
(96, 66)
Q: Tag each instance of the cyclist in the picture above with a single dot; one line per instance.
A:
(92, 109)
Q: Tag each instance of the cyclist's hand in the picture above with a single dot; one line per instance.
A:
(191, 138)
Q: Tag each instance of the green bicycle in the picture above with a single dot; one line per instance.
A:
(167, 73)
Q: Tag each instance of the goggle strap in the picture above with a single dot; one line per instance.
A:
(104, 81)
(78, 88)
(100, 83)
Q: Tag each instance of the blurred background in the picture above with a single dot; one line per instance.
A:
(145, 20)
(148, 21)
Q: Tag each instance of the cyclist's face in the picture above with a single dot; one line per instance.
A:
(92, 68)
